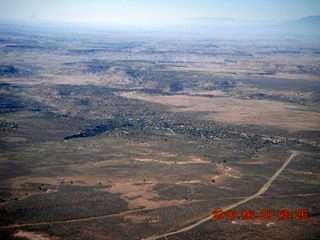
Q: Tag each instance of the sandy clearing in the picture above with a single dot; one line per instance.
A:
(303, 172)
(247, 221)
(189, 160)
(253, 163)
(270, 224)
(34, 235)
(136, 192)
(167, 162)
(224, 173)
(167, 154)
(188, 182)
(139, 194)
(153, 160)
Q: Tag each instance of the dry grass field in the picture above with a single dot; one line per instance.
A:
(291, 117)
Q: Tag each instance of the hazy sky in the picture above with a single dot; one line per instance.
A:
(154, 11)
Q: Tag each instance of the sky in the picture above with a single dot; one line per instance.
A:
(148, 12)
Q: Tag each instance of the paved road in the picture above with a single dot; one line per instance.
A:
(262, 190)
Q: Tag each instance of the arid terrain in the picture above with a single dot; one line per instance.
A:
(124, 135)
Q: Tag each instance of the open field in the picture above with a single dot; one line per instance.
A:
(122, 136)
(291, 117)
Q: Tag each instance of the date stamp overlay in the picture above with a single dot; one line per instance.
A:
(263, 214)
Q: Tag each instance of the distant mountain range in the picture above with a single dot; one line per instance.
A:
(309, 19)
(306, 25)
(310, 22)
(210, 20)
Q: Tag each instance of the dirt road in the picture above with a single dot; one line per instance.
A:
(262, 190)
